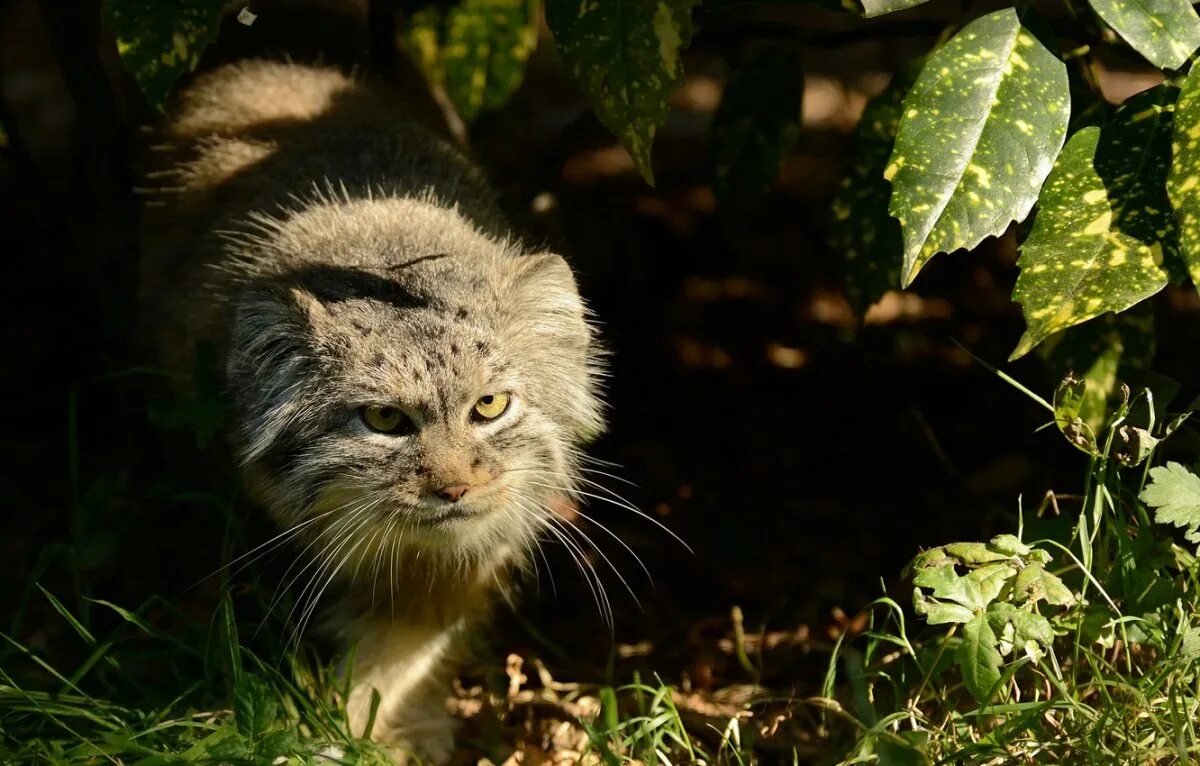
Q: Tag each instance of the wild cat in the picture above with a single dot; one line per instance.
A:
(412, 385)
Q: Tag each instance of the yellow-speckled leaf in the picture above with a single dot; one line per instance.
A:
(872, 8)
(866, 238)
(980, 131)
(477, 52)
(1183, 181)
(423, 37)
(1166, 32)
(159, 41)
(756, 125)
(1103, 222)
(626, 55)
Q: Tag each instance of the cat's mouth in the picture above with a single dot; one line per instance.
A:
(442, 516)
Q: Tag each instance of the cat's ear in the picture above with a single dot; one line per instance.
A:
(545, 291)
(273, 349)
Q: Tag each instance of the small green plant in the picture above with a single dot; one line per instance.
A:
(1082, 646)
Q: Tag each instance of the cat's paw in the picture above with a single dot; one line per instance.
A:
(423, 735)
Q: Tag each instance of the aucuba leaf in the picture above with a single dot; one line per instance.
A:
(980, 131)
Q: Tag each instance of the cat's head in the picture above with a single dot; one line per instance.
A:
(430, 398)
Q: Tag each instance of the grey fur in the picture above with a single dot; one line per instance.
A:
(340, 254)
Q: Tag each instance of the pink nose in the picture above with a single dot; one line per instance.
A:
(454, 493)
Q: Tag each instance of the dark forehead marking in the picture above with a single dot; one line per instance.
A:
(431, 257)
(462, 312)
(336, 284)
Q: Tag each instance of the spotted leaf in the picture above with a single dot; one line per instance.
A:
(626, 55)
(477, 51)
(1103, 222)
(860, 228)
(1183, 180)
(159, 41)
(756, 125)
(872, 8)
(1166, 32)
(980, 131)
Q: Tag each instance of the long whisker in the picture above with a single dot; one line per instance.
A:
(327, 558)
(620, 504)
(608, 531)
(586, 570)
(553, 518)
(355, 512)
(274, 543)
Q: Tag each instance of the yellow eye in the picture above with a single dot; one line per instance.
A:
(385, 420)
(490, 407)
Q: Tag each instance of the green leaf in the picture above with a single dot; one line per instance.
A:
(1133, 445)
(973, 590)
(1189, 647)
(277, 744)
(1103, 223)
(990, 580)
(1166, 32)
(975, 553)
(939, 613)
(626, 55)
(948, 585)
(1183, 180)
(1174, 493)
(757, 124)
(1069, 399)
(1035, 584)
(980, 131)
(1010, 545)
(873, 8)
(160, 41)
(1018, 626)
(233, 748)
(477, 53)
(423, 40)
(978, 658)
(254, 706)
(860, 227)
(1103, 352)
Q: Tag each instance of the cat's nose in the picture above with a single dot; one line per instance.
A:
(453, 493)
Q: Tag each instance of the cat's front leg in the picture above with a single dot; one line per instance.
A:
(408, 665)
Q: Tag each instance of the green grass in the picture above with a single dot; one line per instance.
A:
(1116, 679)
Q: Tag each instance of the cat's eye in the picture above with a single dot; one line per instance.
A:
(490, 407)
(385, 420)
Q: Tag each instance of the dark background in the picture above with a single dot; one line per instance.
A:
(803, 454)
